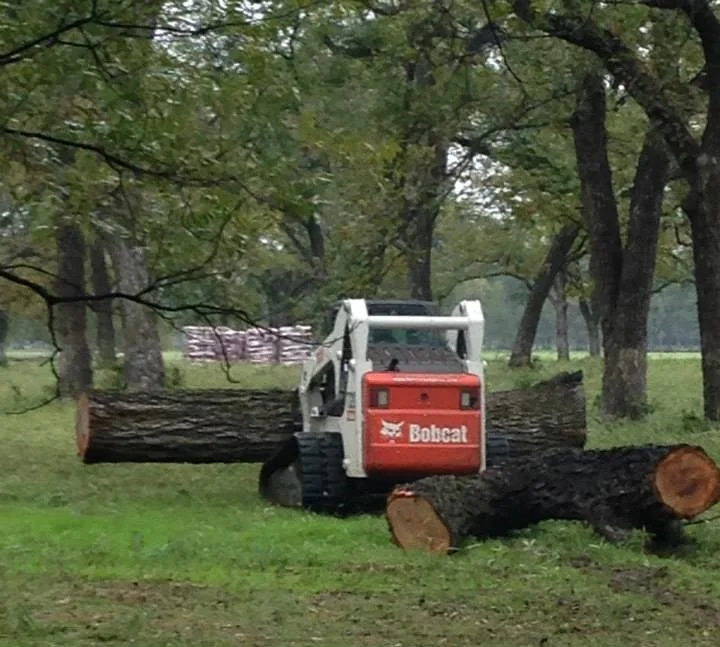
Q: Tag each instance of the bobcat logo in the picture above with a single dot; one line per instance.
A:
(391, 430)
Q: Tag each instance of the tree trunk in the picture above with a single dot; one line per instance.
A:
(622, 276)
(144, 367)
(614, 490)
(237, 425)
(562, 340)
(423, 195)
(420, 230)
(698, 162)
(625, 371)
(598, 198)
(70, 319)
(103, 309)
(419, 261)
(704, 219)
(592, 325)
(4, 328)
(424, 179)
(554, 260)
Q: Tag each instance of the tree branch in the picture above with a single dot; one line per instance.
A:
(48, 39)
(622, 62)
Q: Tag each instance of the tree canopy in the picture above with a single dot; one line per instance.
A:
(256, 161)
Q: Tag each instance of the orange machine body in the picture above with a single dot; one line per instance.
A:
(422, 423)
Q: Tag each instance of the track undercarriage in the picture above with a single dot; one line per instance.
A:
(307, 472)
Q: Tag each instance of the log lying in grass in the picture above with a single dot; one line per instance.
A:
(616, 490)
(551, 413)
(243, 425)
(183, 426)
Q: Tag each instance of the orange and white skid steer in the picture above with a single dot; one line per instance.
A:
(394, 393)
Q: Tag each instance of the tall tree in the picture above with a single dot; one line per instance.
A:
(554, 262)
(75, 364)
(622, 274)
(429, 76)
(695, 157)
(104, 324)
(559, 300)
(4, 329)
(143, 363)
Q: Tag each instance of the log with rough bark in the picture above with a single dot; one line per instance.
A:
(551, 413)
(183, 426)
(244, 425)
(616, 490)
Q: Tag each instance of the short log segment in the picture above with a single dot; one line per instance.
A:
(183, 426)
(615, 490)
(248, 425)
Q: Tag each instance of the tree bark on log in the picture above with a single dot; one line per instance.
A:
(615, 490)
(183, 426)
(244, 425)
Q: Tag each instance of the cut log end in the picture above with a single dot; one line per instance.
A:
(82, 423)
(687, 481)
(415, 525)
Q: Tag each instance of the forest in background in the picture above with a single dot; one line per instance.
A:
(232, 161)
(672, 324)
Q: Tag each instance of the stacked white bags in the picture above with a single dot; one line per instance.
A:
(294, 344)
(284, 345)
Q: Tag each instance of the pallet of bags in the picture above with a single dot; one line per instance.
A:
(236, 345)
(294, 344)
(261, 345)
(199, 344)
(229, 344)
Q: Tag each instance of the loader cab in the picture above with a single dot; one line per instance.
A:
(332, 384)
(387, 307)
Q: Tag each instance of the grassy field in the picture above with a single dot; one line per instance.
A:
(179, 555)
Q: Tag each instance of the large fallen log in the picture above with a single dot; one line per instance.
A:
(248, 425)
(615, 490)
(183, 426)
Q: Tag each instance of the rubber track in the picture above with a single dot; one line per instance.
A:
(323, 479)
(324, 482)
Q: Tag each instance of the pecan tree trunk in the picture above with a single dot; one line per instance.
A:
(553, 263)
(70, 319)
(105, 327)
(622, 275)
(144, 368)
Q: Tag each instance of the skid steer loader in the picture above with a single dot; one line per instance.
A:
(394, 393)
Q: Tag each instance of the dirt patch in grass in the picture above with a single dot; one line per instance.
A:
(115, 612)
(658, 584)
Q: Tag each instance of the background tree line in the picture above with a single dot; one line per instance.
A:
(672, 322)
(233, 161)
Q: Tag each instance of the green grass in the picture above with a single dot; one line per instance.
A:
(181, 555)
